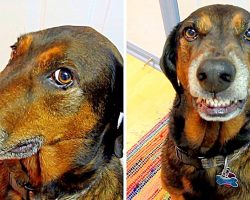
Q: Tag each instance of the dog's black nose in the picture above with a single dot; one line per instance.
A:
(216, 75)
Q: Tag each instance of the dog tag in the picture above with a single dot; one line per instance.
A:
(227, 178)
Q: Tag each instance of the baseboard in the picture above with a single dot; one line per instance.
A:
(143, 55)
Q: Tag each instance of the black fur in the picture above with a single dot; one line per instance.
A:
(169, 58)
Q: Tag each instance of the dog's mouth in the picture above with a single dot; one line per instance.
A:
(219, 110)
(23, 149)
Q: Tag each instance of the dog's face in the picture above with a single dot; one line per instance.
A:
(59, 86)
(208, 57)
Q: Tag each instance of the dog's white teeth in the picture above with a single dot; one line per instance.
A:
(224, 103)
(211, 102)
(216, 102)
(208, 102)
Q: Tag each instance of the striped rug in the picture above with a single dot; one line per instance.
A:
(143, 165)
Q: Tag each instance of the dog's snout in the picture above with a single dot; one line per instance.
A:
(216, 75)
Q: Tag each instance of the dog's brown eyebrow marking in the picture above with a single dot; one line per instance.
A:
(238, 23)
(51, 53)
(204, 24)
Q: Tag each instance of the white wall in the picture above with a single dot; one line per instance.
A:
(145, 26)
(18, 17)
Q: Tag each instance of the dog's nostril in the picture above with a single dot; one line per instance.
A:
(226, 77)
(217, 54)
(215, 75)
(202, 76)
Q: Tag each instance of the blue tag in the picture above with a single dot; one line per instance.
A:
(227, 178)
(227, 181)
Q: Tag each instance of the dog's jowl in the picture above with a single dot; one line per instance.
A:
(207, 59)
(61, 96)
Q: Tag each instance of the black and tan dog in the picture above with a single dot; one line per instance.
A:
(61, 96)
(207, 59)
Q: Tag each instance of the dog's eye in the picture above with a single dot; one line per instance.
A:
(63, 77)
(190, 34)
(247, 35)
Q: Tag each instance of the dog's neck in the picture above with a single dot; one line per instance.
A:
(86, 184)
(82, 181)
(199, 137)
(55, 175)
(96, 189)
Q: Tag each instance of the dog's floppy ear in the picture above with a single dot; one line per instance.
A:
(169, 57)
(118, 148)
(113, 139)
(118, 92)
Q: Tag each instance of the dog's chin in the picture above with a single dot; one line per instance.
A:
(219, 110)
(22, 149)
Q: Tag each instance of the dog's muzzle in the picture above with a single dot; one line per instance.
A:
(215, 76)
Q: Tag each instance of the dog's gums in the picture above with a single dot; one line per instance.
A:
(23, 149)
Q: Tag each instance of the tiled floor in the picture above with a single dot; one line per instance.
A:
(149, 98)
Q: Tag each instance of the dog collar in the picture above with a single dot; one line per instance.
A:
(206, 163)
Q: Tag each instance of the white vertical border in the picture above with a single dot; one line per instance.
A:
(124, 100)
